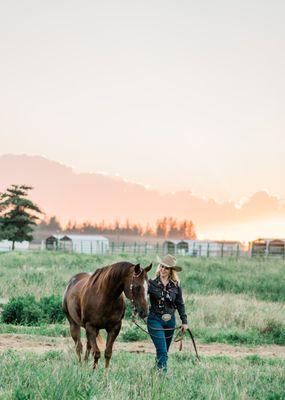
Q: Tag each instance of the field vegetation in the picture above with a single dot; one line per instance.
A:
(227, 300)
(232, 301)
(57, 376)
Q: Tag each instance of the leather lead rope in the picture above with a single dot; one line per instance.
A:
(194, 344)
(179, 338)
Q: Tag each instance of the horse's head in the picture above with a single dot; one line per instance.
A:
(138, 290)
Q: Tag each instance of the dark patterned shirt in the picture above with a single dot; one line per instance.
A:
(165, 300)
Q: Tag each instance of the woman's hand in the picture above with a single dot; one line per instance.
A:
(184, 327)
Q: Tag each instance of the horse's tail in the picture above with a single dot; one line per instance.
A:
(101, 343)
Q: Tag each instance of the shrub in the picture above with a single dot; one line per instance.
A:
(275, 330)
(51, 308)
(22, 311)
(132, 334)
(25, 310)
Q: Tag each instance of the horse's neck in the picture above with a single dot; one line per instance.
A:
(120, 283)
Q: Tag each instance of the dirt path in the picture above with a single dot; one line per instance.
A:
(41, 344)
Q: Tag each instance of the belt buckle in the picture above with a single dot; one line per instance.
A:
(166, 317)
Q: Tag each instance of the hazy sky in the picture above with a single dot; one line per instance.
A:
(185, 95)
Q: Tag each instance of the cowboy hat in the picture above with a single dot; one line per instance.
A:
(169, 261)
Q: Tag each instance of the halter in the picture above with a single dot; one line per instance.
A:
(131, 289)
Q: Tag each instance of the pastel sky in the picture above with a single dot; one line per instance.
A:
(184, 95)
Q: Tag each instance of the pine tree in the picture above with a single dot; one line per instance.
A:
(18, 214)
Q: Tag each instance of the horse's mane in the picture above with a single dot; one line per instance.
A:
(103, 275)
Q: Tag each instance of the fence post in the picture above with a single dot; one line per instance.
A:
(135, 247)
(222, 250)
(249, 250)
(237, 251)
(157, 248)
(208, 249)
(112, 248)
(145, 248)
(123, 247)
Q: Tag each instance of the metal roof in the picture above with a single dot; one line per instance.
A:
(268, 240)
(200, 241)
(89, 238)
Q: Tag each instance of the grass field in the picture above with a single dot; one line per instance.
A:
(228, 301)
(231, 301)
(57, 376)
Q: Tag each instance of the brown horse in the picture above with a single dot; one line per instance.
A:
(95, 301)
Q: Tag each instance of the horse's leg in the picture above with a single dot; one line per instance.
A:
(92, 334)
(112, 334)
(88, 347)
(75, 334)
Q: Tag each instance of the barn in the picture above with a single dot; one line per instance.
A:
(202, 248)
(267, 247)
(88, 244)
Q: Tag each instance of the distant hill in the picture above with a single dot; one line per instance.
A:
(84, 196)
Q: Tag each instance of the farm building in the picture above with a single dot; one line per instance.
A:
(6, 245)
(267, 247)
(88, 244)
(202, 248)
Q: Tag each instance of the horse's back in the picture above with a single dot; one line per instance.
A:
(71, 297)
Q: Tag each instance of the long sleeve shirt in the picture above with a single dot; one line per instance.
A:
(165, 300)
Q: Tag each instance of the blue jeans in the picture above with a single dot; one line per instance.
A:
(161, 338)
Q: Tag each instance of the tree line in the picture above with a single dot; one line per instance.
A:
(19, 216)
(164, 228)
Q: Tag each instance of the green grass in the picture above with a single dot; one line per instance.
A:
(45, 273)
(262, 279)
(58, 376)
(227, 301)
(223, 318)
(230, 301)
(236, 319)
(53, 330)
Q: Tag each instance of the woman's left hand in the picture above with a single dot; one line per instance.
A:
(184, 327)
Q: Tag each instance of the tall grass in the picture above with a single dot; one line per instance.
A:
(263, 279)
(236, 319)
(235, 301)
(45, 273)
(57, 376)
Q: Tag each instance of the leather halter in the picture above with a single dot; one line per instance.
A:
(131, 288)
(132, 283)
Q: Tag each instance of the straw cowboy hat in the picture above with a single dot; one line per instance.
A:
(169, 261)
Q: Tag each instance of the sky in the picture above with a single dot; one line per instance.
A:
(174, 95)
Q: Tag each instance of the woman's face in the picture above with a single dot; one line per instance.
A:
(164, 272)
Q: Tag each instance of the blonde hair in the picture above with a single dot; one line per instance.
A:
(173, 276)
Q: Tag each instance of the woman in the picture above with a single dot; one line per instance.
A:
(165, 297)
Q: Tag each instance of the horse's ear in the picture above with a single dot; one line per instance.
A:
(148, 268)
(137, 269)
